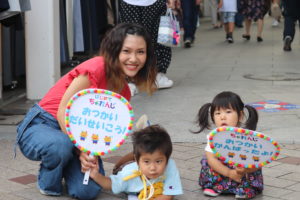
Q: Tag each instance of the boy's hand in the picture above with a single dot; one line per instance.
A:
(95, 170)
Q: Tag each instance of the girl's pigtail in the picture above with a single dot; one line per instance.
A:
(203, 117)
(252, 120)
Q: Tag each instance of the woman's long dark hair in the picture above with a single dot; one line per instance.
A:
(110, 49)
(226, 100)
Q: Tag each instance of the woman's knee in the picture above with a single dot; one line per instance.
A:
(57, 151)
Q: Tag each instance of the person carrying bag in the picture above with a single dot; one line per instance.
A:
(169, 30)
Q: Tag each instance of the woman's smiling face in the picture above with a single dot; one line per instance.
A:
(133, 55)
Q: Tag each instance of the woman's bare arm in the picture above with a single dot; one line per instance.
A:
(79, 83)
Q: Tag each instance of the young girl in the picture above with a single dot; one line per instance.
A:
(153, 175)
(126, 54)
(227, 109)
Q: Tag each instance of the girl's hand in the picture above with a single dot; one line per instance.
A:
(198, 2)
(251, 170)
(234, 175)
(87, 162)
(241, 171)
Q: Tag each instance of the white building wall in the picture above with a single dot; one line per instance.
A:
(42, 47)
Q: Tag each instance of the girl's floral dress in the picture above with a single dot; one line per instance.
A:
(251, 185)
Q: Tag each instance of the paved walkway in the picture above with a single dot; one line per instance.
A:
(259, 72)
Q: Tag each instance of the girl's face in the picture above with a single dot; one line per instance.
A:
(152, 165)
(226, 117)
(133, 55)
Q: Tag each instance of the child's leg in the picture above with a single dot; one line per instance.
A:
(209, 179)
(230, 20)
(251, 185)
(226, 28)
(230, 27)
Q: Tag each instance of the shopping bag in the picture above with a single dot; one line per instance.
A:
(275, 10)
(169, 30)
(19, 5)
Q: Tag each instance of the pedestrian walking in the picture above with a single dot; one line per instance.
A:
(228, 10)
(254, 10)
(291, 15)
(213, 7)
(190, 10)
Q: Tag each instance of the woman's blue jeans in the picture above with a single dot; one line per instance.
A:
(41, 139)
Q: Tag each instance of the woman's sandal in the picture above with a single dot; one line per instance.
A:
(247, 37)
(259, 39)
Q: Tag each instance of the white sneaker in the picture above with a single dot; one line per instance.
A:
(162, 81)
(275, 23)
(48, 193)
(133, 89)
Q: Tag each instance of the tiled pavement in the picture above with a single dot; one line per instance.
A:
(282, 177)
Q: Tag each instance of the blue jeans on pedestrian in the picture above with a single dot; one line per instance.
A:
(239, 17)
(190, 18)
(289, 26)
(41, 139)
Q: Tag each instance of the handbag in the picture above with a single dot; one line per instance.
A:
(169, 30)
(275, 10)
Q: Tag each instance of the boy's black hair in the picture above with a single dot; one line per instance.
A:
(226, 99)
(151, 139)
